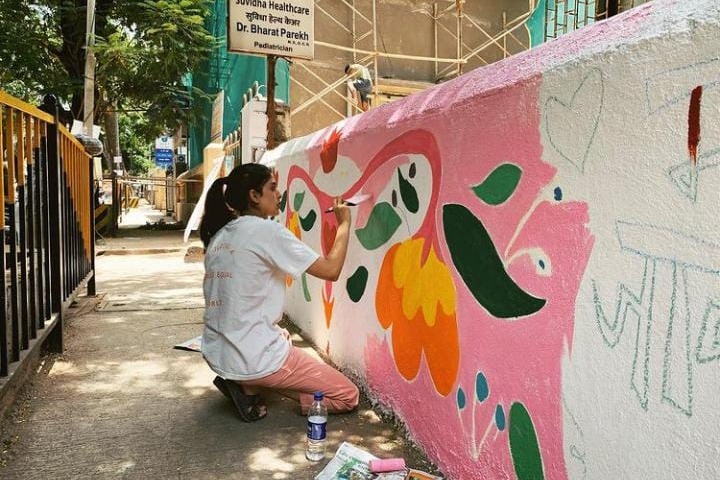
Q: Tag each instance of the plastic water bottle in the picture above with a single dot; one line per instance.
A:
(316, 429)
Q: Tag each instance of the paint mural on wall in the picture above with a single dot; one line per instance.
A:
(530, 287)
(458, 278)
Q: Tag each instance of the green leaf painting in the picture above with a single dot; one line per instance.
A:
(308, 221)
(306, 290)
(408, 194)
(381, 225)
(524, 447)
(298, 200)
(283, 201)
(481, 268)
(499, 185)
(356, 284)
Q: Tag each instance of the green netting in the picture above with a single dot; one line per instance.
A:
(536, 24)
(232, 73)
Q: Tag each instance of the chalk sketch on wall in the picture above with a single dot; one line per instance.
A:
(672, 87)
(686, 179)
(577, 450)
(668, 256)
(708, 345)
(571, 125)
(686, 176)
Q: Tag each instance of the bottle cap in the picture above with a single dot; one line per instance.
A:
(319, 396)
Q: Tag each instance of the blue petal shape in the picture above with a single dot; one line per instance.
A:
(481, 387)
(500, 417)
(461, 398)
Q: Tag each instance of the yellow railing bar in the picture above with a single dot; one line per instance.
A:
(38, 133)
(66, 133)
(29, 128)
(25, 107)
(20, 163)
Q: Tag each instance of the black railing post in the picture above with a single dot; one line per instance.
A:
(22, 253)
(55, 230)
(4, 324)
(91, 283)
(117, 203)
(5, 333)
(14, 280)
(44, 213)
(67, 218)
(32, 246)
(40, 291)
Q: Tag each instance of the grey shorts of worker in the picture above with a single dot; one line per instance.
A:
(364, 87)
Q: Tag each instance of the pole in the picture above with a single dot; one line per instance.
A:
(271, 60)
(89, 92)
(375, 52)
(459, 6)
(435, 35)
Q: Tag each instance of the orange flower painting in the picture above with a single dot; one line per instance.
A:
(416, 297)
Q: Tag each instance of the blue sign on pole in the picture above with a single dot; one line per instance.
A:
(163, 157)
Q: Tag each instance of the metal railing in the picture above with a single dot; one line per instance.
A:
(47, 229)
(564, 16)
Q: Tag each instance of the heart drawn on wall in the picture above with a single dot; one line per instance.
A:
(571, 126)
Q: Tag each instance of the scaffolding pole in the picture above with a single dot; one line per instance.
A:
(367, 57)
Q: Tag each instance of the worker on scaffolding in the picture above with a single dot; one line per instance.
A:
(360, 84)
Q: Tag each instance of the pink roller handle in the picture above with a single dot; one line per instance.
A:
(387, 465)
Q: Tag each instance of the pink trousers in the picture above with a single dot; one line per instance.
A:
(302, 375)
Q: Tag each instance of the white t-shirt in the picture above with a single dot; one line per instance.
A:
(246, 264)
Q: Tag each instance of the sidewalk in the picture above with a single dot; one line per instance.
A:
(142, 231)
(122, 403)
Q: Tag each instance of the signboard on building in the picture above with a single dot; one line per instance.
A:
(164, 142)
(163, 158)
(272, 27)
(164, 151)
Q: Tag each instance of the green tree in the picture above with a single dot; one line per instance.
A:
(27, 66)
(143, 50)
(135, 142)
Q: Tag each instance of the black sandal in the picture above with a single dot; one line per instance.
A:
(221, 384)
(250, 407)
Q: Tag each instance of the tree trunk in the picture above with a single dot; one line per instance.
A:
(112, 139)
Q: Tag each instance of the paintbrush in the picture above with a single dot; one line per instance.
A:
(353, 201)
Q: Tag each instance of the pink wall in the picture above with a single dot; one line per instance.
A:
(473, 270)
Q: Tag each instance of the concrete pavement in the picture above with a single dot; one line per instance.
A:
(122, 403)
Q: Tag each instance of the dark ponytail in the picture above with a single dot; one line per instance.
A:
(231, 192)
(216, 214)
